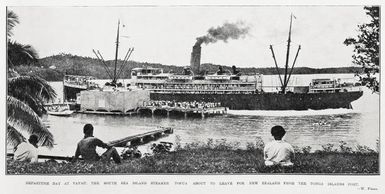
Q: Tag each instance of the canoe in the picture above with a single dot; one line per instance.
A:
(61, 113)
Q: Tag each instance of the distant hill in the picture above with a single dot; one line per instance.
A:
(53, 68)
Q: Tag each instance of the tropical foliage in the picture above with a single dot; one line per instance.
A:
(26, 94)
(31, 90)
(25, 105)
(12, 20)
(367, 47)
(22, 118)
(20, 54)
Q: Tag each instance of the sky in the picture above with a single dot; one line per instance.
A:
(166, 34)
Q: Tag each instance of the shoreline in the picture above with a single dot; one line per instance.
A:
(218, 158)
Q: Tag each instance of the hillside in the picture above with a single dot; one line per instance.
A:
(53, 68)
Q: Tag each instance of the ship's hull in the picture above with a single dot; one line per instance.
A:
(269, 101)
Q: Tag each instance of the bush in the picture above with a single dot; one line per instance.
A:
(328, 148)
(306, 149)
(364, 149)
(344, 148)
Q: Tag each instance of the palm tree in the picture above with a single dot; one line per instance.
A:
(32, 90)
(26, 94)
(12, 20)
(25, 99)
(20, 54)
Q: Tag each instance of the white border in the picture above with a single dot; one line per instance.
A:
(16, 184)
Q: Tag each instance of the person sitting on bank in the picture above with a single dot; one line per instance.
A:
(278, 152)
(27, 151)
(87, 147)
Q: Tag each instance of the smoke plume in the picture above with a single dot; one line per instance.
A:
(226, 31)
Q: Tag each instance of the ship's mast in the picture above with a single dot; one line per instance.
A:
(287, 57)
(114, 76)
(114, 80)
(287, 75)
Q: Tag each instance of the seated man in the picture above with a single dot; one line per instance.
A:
(87, 147)
(278, 152)
(27, 151)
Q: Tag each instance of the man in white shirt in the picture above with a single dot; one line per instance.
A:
(27, 151)
(278, 152)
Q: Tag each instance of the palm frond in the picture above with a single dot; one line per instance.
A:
(34, 85)
(12, 20)
(35, 103)
(30, 52)
(22, 117)
(20, 54)
(12, 73)
(14, 137)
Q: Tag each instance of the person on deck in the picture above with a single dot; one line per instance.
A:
(220, 71)
(27, 151)
(278, 152)
(87, 147)
(235, 71)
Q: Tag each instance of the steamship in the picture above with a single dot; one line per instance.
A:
(244, 92)
(232, 89)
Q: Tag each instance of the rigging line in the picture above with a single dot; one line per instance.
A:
(123, 64)
(292, 67)
(276, 65)
(108, 70)
(126, 61)
(102, 63)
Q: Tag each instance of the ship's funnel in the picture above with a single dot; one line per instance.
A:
(195, 59)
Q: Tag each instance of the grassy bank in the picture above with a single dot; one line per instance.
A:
(218, 158)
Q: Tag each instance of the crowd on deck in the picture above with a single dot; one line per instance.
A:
(76, 80)
(81, 81)
(204, 87)
(174, 104)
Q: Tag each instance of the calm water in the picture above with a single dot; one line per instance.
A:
(304, 128)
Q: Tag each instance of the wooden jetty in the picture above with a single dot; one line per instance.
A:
(203, 112)
(130, 113)
(141, 138)
(134, 140)
(48, 157)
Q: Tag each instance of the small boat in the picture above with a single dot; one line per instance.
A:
(59, 110)
(61, 113)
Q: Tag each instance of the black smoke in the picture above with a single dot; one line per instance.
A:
(226, 31)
